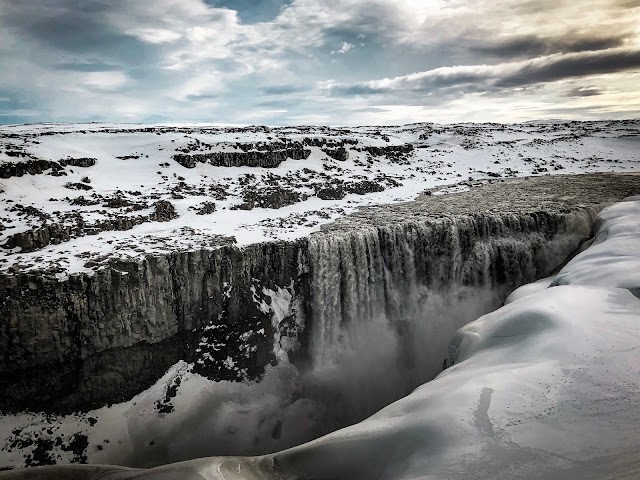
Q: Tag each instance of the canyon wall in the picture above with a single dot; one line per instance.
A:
(371, 292)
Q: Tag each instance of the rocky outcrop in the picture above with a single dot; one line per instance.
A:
(393, 152)
(164, 211)
(331, 191)
(206, 208)
(59, 329)
(363, 187)
(83, 162)
(264, 155)
(55, 233)
(341, 154)
(269, 197)
(31, 167)
(36, 167)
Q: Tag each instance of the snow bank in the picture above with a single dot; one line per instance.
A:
(545, 387)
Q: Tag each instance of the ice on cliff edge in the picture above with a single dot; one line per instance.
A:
(547, 386)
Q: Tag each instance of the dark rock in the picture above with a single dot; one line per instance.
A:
(363, 187)
(78, 162)
(164, 211)
(77, 186)
(331, 192)
(392, 152)
(252, 155)
(340, 153)
(206, 208)
(268, 197)
(31, 167)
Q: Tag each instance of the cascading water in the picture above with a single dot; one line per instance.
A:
(386, 301)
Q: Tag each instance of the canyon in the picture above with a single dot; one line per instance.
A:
(293, 335)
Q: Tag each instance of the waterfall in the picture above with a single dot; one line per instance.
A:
(386, 300)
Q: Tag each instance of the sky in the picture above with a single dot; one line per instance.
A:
(333, 62)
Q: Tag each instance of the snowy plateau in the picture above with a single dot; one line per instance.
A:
(415, 302)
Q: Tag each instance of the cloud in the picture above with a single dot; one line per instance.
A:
(532, 45)
(344, 48)
(87, 67)
(333, 61)
(507, 75)
(155, 35)
(283, 89)
(585, 91)
(106, 81)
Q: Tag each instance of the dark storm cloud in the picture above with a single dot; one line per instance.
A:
(571, 66)
(484, 78)
(531, 45)
(585, 92)
(77, 28)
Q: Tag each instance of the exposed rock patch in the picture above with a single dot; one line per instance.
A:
(164, 211)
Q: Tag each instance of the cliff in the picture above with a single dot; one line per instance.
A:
(421, 267)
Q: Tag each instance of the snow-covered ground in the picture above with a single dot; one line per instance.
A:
(106, 209)
(548, 386)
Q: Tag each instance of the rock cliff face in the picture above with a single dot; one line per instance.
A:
(53, 326)
(251, 155)
(375, 283)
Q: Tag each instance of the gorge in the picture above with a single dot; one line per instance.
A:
(137, 330)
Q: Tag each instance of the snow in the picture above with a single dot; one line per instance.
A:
(545, 387)
(614, 257)
(529, 289)
(445, 159)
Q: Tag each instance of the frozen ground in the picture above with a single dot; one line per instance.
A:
(73, 195)
(546, 387)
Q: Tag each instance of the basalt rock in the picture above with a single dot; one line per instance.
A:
(83, 340)
(331, 192)
(341, 154)
(82, 162)
(36, 167)
(266, 156)
(269, 197)
(206, 208)
(164, 211)
(89, 339)
(31, 167)
(363, 187)
(392, 152)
